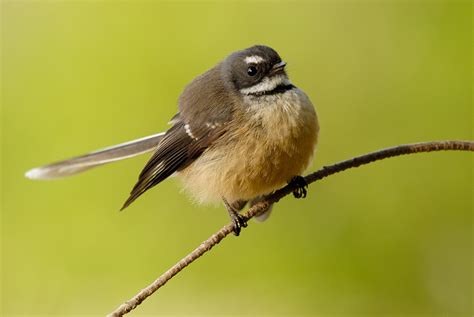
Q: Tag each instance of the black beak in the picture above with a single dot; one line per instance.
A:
(278, 68)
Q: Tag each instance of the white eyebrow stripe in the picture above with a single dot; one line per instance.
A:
(254, 59)
(267, 84)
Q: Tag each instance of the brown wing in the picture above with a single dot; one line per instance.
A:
(180, 146)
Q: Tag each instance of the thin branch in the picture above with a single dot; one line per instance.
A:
(276, 196)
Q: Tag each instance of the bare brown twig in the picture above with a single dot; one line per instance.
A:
(276, 196)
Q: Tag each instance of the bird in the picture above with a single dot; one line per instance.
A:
(242, 131)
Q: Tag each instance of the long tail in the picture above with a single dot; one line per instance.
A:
(84, 162)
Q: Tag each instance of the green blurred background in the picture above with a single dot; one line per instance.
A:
(392, 238)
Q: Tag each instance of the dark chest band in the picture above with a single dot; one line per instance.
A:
(277, 90)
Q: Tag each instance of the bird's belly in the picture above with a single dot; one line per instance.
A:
(255, 159)
(266, 166)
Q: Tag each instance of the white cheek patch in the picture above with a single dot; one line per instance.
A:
(254, 59)
(267, 84)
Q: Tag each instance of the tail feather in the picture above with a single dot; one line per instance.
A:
(107, 155)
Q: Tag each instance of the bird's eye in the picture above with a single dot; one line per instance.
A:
(252, 71)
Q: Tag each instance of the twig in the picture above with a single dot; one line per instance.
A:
(276, 196)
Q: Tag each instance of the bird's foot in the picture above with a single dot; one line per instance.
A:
(237, 219)
(239, 223)
(301, 185)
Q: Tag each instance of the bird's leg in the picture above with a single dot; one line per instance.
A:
(233, 210)
(301, 185)
(238, 205)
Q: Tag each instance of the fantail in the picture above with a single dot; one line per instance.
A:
(242, 131)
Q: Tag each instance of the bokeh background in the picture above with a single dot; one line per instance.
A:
(391, 238)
